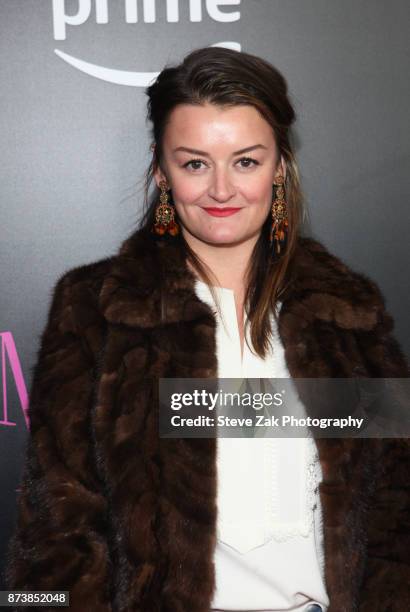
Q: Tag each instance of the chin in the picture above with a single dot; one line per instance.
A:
(218, 235)
(223, 239)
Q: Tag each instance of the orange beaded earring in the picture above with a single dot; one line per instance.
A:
(279, 228)
(165, 214)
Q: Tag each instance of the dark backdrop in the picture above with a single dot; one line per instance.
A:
(75, 144)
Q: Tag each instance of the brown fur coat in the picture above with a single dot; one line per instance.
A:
(125, 520)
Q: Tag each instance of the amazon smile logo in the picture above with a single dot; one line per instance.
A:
(134, 12)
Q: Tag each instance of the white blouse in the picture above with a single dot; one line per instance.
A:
(269, 552)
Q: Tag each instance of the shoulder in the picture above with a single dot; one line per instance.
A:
(327, 296)
(73, 305)
(81, 283)
(329, 272)
(332, 289)
(89, 276)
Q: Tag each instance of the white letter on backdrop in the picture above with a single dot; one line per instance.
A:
(60, 18)
(172, 11)
(149, 11)
(215, 13)
(131, 15)
(101, 11)
(195, 10)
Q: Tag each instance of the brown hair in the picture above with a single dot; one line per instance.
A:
(228, 78)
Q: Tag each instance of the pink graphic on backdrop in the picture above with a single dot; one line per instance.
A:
(8, 346)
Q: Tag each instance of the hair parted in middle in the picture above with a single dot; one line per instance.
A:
(225, 77)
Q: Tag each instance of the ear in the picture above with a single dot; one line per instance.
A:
(281, 167)
(159, 176)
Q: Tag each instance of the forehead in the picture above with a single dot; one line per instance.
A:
(210, 123)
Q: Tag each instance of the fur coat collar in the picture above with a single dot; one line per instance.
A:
(125, 520)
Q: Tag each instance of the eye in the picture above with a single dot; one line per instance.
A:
(249, 162)
(193, 162)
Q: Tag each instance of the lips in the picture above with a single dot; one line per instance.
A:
(221, 212)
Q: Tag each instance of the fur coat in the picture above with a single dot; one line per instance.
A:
(126, 521)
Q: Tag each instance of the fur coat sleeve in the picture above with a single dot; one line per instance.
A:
(386, 584)
(74, 505)
(60, 541)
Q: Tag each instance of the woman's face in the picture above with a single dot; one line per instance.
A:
(220, 158)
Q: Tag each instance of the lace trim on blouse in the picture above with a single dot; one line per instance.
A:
(276, 528)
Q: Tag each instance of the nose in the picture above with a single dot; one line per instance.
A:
(221, 188)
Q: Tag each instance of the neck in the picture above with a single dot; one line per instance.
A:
(228, 262)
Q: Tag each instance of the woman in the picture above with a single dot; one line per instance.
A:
(125, 520)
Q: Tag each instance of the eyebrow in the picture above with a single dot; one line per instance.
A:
(205, 154)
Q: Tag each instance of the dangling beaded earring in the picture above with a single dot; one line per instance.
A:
(279, 230)
(165, 214)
